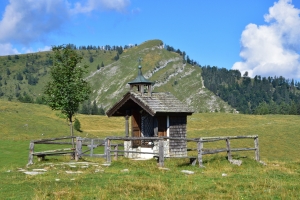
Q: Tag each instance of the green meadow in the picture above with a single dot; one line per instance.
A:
(279, 142)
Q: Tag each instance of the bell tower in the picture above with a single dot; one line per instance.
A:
(141, 82)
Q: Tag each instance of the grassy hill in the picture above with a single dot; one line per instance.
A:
(28, 73)
(279, 146)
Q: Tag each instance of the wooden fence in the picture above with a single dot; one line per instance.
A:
(77, 152)
(41, 155)
(228, 149)
(159, 155)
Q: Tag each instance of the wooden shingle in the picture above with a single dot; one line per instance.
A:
(162, 102)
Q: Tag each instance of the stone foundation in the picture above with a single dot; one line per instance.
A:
(154, 149)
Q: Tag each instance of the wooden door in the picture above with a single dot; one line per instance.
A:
(162, 126)
(136, 128)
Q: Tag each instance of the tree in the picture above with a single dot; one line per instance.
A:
(32, 80)
(66, 88)
(119, 50)
(94, 108)
(91, 59)
(101, 111)
(8, 72)
(117, 57)
(85, 108)
(19, 76)
(188, 60)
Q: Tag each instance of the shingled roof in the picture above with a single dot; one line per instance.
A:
(163, 102)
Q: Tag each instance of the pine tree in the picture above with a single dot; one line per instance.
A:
(91, 59)
(117, 57)
(94, 109)
(8, 72)
(101, 111)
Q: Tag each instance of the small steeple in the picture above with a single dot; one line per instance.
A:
(140, 81)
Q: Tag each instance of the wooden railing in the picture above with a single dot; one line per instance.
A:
(107, 143)
(160, 153)
(228, 149)
(75, 151)
(41, 155)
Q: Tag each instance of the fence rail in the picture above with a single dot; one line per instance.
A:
(107, 143)
(202, 151)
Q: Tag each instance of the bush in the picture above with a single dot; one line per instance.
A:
(77, 125)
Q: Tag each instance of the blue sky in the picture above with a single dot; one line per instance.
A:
(258, 36)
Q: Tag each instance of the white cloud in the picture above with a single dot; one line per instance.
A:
(26, 21)
(273, 49)
(91, 5)
(29, 22)
(7, 49)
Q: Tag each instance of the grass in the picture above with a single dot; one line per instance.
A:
(145, 181)
(279, 146)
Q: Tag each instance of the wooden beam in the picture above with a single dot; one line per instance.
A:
(228, 137)
(92, 147)
(116, 152)
(95, 155)
(256, 149)
(161, 153)
(127, 126)
(123, 151)
(150, 138)
(31, 151)
(200, 152)
(108, 157)
(228, 149)
(78, 148)
(53, 151)
(52, 139)
(213, 151)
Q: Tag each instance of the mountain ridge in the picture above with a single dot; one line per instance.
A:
(167, 69)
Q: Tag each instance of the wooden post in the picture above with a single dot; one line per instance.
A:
(127, 126)
(161, 150)
(116, 152)
(200, 150)
(155, 125)
(92, 147)
(149, 90)
(73, 154)
(78, 148)
(228, 149)
(31, 151)
(108, 158)
(256, 149)
(105, 146)
(142, 90)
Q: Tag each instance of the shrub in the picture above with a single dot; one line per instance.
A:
(77, 125)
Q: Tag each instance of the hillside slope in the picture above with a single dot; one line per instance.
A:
(109, 83)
